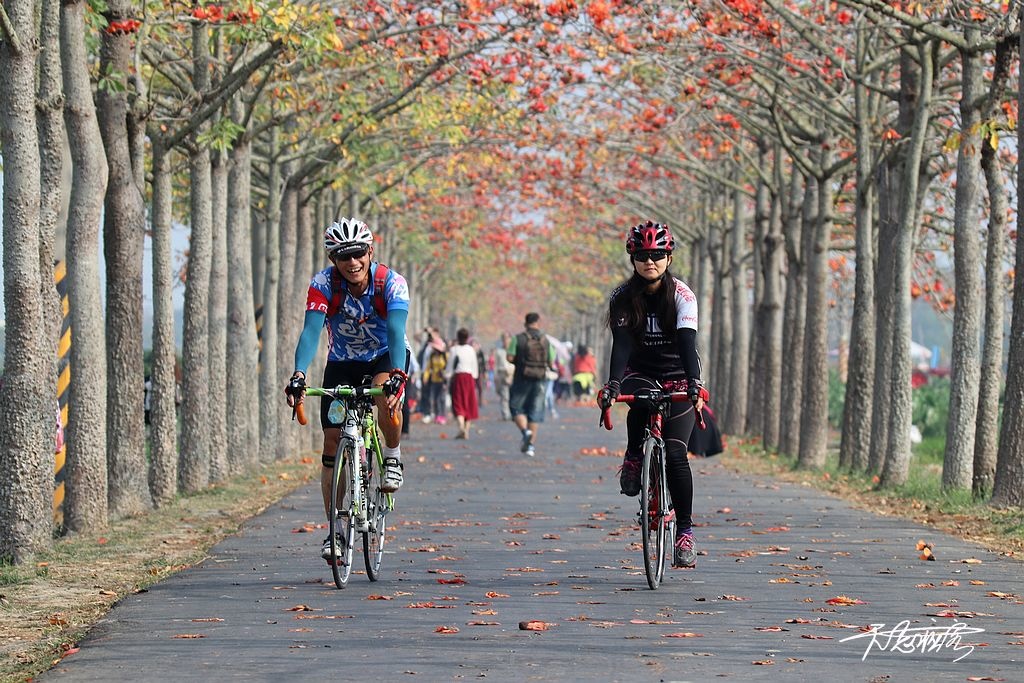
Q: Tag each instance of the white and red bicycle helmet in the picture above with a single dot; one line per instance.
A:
(345, 235)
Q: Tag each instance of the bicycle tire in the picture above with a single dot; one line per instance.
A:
(375, 538)
(653, 523)
(341, 521)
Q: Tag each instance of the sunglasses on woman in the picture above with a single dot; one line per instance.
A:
(644, 256)
(358, 254)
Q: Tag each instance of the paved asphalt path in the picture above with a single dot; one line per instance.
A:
(484, 538)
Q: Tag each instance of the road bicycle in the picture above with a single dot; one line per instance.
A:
(656, 517)
(368, 506)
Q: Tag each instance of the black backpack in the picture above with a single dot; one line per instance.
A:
(532, 355)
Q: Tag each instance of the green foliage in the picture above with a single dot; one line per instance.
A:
(221, 134)
(932, 449)
(836, 398)
(931, 408)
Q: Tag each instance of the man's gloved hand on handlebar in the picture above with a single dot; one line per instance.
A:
(296, 388)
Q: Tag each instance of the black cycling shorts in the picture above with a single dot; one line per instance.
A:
(353, 373)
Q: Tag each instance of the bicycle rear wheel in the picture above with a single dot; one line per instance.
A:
(654, 525)
(341, 520)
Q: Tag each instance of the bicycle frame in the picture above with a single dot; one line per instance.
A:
(657, 520)
(367, 507)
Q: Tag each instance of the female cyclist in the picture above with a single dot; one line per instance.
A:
(653, 321)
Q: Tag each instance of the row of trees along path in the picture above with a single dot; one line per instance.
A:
(822, 165)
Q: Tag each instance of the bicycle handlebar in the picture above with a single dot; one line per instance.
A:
(674, 397)
(340, 391)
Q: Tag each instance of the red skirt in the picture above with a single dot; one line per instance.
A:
(464, 400)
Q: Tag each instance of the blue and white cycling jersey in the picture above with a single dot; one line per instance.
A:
(355, 332)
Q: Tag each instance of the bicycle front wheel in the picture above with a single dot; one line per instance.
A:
(653, 505)
(373, 540)
(343, 533)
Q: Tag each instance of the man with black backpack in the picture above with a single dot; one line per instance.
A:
(532, 355)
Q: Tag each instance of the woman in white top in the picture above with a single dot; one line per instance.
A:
(465, 370)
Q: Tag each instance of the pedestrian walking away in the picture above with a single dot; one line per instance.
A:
(465, 370)
(533, 356)
(653, 322)
(503, 370)
(364, 306)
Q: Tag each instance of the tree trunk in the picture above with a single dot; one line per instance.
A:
(1008, 490)
(814, 402)
(287, 334)
(270, 383)
(124, 225)
(243, 406)
(194, 464)
(798, 221)
(52, 143)
(855, 442)
(739, 361)
(986, 442)
(889, 193)
(896, 467)
(757, 364)
(218, 313)
(85, 506)
(965, 373)
(163, 419)
(770, 347)
(721, 328)
(26, 413)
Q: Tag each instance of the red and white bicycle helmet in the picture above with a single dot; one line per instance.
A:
(649, 236)
(345, 235)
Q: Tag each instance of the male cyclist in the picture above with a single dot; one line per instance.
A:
(364, 306)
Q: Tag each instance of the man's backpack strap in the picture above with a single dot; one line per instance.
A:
(380, 277)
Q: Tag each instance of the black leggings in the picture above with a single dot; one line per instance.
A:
(675, 430)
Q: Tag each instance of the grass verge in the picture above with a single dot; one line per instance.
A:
(921, 499)
(46, 607)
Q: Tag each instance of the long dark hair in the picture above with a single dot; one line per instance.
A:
(629, 302)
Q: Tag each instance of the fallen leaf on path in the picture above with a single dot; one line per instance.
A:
(970, 560)
(446, 629)
(377, 596)
(457, 581)
(428, 605)
(189, 635)
(302, 608)
(843, 600)
(763, 662)
(734, 598)
(493, 594)
(772, 629)
(811, 636)
(652, 621)
(208, 619)
(534, 625)
(482, 623)
(682, 634)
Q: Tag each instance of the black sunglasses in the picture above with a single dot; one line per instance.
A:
(644, 256)
(363, 249)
